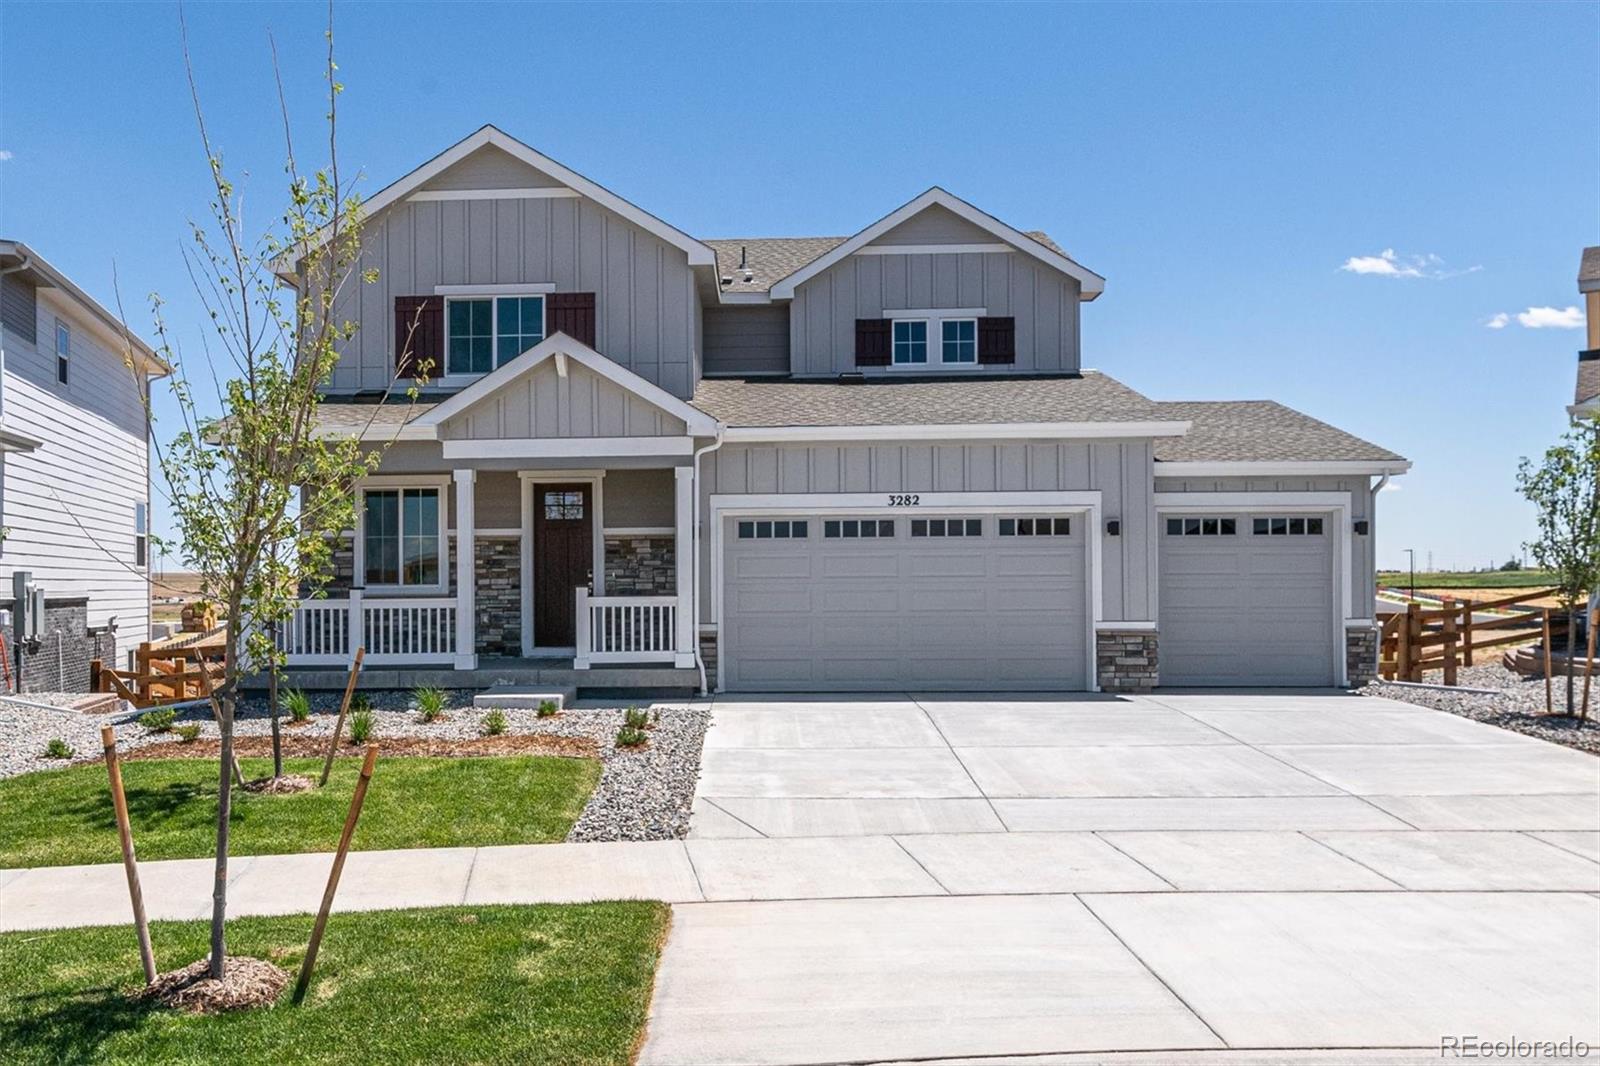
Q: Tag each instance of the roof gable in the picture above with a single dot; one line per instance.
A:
(1092, 284)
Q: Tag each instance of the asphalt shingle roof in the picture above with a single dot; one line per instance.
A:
(336, 417)
(771, 259)
(1092, 397)
(1259, 431)
(1589, 267)
(1588, 381)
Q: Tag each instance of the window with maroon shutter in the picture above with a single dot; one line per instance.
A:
(997, 340)
(872, 342)
(418, 336)
(572, 313)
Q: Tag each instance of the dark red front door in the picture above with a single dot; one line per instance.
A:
(563, 560)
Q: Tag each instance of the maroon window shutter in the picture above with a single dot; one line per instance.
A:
(997, 340)
(872, 342)
(571, 313)
(418, 336)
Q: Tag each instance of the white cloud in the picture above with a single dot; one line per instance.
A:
(1391, 264)
(1498, 320)
(5, 155)
(1551, 318)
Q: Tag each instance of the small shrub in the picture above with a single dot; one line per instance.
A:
(360, 726)
(430, 704)
(361, 702)
(187, 733)
(57, 749)
(158, 721)
(494, 723)
(298, 704)
(547, 708)
(635, 718)
(631, 737)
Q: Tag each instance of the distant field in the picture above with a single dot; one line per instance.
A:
(176, 585)
(1447, 579)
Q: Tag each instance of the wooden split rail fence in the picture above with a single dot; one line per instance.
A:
(166, 671)
(1447, 638)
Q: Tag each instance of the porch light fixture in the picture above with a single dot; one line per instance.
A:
(1113, 527)
(1360, 527)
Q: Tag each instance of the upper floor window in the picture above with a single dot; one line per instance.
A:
(485, 332)
(63, 350)
(955, 340)
(141, 543)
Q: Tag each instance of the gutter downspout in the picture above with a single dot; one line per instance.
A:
(694, 555)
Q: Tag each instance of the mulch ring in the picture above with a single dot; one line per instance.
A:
(301, 747)
(246, 983)
(279, 786)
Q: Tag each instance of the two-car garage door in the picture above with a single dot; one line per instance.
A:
(866, 601)
(1246, 600)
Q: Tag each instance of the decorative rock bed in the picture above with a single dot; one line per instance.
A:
(643, 793)
(1516, 703)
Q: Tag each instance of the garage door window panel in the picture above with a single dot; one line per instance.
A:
(947, 527)
(1285, 526)
(1036, 527)
(1202, 527)
(772, 529)
(858, 529)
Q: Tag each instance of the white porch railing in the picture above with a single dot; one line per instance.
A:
(395, 631)
(625, 629)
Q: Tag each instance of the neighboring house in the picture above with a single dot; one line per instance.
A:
(833, 463)
(74, 470)
(1586, 398)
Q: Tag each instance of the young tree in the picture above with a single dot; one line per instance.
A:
(258, 494)
(1565, 490)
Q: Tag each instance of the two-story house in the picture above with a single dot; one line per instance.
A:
(826, 463)
(74, 472)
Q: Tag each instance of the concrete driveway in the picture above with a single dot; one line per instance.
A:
(1204, 877)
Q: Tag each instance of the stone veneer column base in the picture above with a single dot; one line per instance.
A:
(1126, 660)
(1360, 655)
(708, 655)
(497, 594)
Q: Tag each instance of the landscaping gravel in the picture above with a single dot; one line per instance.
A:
(1516, 704)
(643, 793)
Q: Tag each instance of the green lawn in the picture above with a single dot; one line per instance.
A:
(1448, 579)
(545, 984)
(64, 817)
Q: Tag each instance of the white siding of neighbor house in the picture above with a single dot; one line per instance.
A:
(69, 505)
(1362, 506)
(645, 297)
(1120, 470)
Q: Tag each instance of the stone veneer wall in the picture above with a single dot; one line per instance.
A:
(641, 566)
(708, 655)
(1360, 655)
(60, 662)
(1126, 661)
(498, 595)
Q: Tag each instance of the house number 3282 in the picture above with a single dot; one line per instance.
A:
(904, 501)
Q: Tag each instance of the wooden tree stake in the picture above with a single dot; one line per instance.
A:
(1549, 699)
(108, 737)
(1588, 666)
(344, 706)
(333, 875)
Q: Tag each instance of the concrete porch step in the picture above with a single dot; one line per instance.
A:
(524, 697)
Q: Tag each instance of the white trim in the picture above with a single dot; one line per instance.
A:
(567, 447)
(529, 480)
(542, 288)
(466, 569)
(1124, 627)
(684, 637)
(1092, 284)
(1338, 505)
(697, 421)
(497, 531)
(934, 249)
(959, 431)
(1330, 468)
(935, 312)
(358, 536)
(729, 505)
(1356, 623)
(540, 192)
(699, 254)
(643, 531)
(744, 297)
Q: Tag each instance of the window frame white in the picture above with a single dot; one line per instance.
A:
(933, 321)
(63, 335)
(141, 534)
(493, 295)
(894, 344)
(393, 483)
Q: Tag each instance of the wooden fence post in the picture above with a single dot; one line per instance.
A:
(1449, 626)
(1414, 642)
(333, 875)
(344, 706)
(130, 864)
(1549, 699)
(1466, 629)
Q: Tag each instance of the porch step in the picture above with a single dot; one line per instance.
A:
(523, 697)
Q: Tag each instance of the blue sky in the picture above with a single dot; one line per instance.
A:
(1218, 164)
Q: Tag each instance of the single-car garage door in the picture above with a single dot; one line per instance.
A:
(1246, 600)
(885, 602)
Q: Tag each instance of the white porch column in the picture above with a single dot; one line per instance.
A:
(466, 570)
(685, 554)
